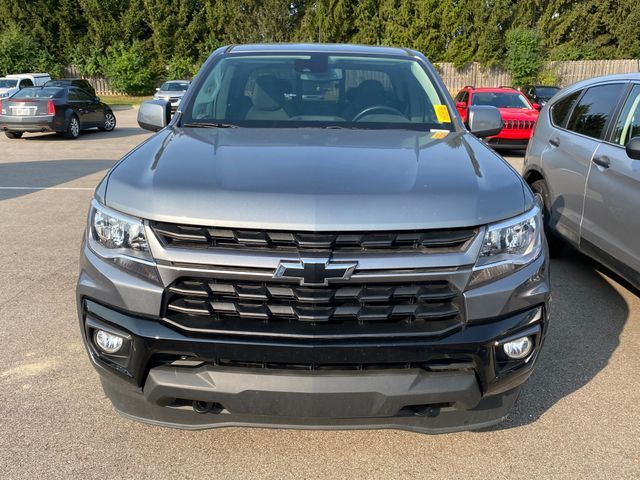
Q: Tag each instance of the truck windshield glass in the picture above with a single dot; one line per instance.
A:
(546, 92)
(174, 87)
(8, 83)
(318, 90)
(501, 100)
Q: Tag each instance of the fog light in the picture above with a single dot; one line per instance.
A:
(519, 348)
(107, 342)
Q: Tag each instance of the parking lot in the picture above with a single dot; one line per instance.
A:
(578, 416)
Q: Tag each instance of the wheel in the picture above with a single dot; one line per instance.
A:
(13, 134)
(109, 122)
(541, 192)
(73, 128)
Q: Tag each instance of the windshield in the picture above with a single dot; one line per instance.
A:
(318, 90)
(546, 92)
(174, 86)
(45, 92)
(8, 83)
(500, 99)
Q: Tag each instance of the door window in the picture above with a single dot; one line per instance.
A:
(590, 115)
(560, 110)
(628, 124)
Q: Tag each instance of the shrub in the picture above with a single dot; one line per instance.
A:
(525, 55)
(129, 70)
(20, 53)
(180, 68)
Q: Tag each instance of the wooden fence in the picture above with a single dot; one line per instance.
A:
(566, 72)
(472, 74)
(100, 84)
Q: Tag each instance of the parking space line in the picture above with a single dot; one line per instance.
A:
(47, 188)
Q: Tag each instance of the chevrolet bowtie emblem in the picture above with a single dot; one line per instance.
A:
(311, 271)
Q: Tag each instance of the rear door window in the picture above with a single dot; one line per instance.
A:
(593, 110)
(561, 109)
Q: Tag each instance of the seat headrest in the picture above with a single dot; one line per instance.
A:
(268, 93)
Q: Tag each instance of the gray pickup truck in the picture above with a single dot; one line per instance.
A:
(314, 240)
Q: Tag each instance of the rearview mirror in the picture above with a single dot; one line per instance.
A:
(633, 148)
(484, 121)
(154, 115)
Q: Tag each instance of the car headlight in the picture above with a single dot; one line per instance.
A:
(121, 239)
(509, 246)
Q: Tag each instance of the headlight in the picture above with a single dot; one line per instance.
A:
(121, 239)
(508, 246)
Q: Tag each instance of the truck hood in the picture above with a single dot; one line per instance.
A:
(518, 114)
(316, 179)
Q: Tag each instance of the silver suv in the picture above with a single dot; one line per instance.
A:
(583, 162)
(314, 240)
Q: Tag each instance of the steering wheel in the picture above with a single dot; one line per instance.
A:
(381, 108)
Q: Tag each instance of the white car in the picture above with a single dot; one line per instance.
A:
(12, 83)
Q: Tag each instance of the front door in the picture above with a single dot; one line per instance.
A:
(612, 203)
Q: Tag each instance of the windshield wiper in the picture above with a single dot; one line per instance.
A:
(210, 125)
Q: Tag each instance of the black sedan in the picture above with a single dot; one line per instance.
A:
(65, 110)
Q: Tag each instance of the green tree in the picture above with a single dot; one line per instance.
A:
(19, 52)
(525, 55)
(128, 69)
(367, 24)
(624, 26)
(327, 21)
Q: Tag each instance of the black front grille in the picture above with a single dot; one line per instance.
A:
(287, 309)
(188, 236)
(519, 124)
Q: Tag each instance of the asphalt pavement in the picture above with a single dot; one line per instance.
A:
(578, 416)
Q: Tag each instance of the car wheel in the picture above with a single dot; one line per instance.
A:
(73, 128)
(13, 134)
(109, 122)
(543, 197)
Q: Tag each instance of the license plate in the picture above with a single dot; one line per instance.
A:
(23, 111)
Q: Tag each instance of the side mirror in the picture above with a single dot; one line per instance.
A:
(484, 121)
(154, 115)
(158, 89)
(537, 106)
(461, 105)
(633, 148)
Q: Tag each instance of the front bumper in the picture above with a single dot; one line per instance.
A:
(456, 381)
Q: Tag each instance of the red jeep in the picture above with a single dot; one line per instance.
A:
(519, 115)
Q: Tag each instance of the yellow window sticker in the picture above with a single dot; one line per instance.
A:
(439, 134)
(442, 113)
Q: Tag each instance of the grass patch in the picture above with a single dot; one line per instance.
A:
(123, 99)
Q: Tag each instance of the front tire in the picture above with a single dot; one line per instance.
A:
(13, 135)
(541, 191)
(73, 128)
(109, 122)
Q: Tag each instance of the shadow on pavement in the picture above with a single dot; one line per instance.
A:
(587, 318)
(93, 134)
(45, 174)
(513, 153)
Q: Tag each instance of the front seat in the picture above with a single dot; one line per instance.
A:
(369, 93)
(267, 99)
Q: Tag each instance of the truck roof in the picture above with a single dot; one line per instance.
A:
(318, 47)
(21, 75)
